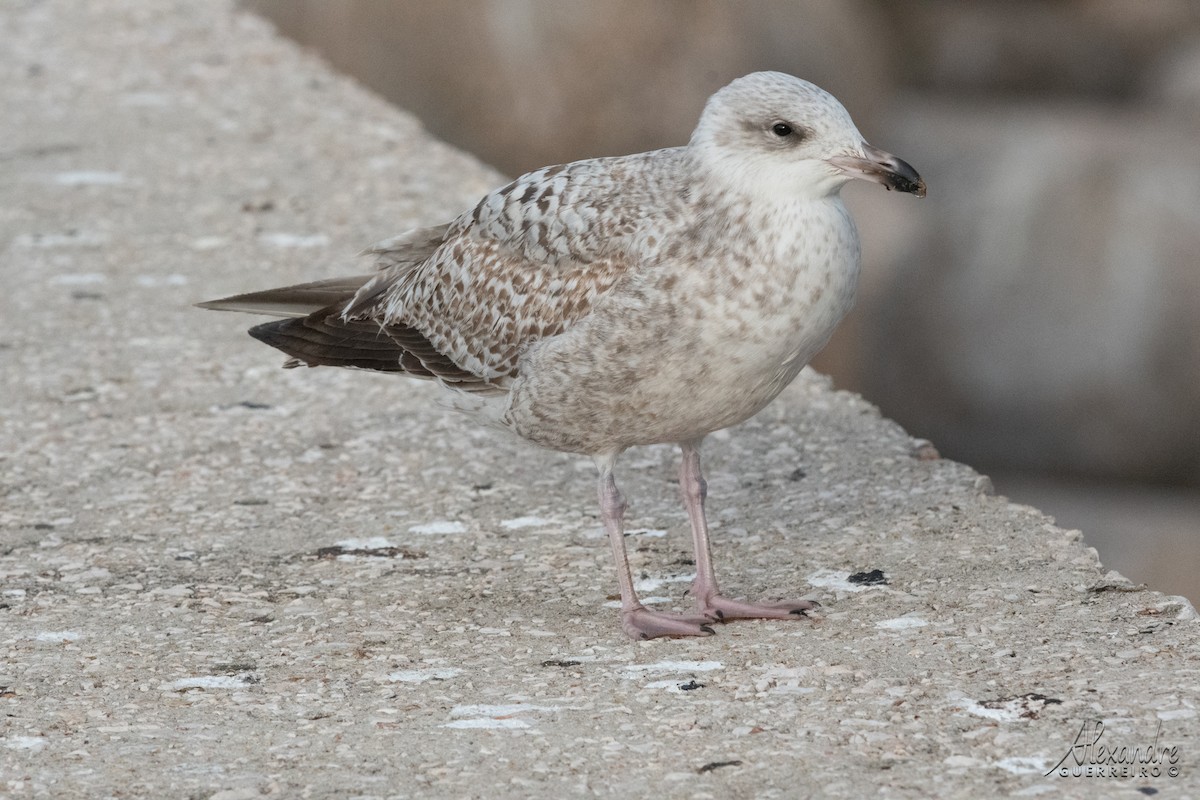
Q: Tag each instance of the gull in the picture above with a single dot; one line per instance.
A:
(644, 299)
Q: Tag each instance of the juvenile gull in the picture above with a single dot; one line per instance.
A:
(594, 306)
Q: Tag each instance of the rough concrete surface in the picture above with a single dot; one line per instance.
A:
(224, 580)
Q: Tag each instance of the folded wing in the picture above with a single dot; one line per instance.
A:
(461, 302)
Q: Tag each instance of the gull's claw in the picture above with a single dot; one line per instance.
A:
(642, 623)
(722, 609)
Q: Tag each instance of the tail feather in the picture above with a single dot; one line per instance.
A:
(293, 301)
(322, 340)
(315, 332)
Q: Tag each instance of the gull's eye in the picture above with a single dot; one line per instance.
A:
(782, 129)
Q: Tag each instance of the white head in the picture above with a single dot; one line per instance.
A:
(773, 134)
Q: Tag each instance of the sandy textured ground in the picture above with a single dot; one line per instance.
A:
(222, 580)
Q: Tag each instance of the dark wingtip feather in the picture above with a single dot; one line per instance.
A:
(325, 339)
(319, 340)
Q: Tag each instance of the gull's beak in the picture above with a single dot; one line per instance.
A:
(882, 167)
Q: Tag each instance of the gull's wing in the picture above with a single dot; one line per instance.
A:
(529, 261)
(461, 302)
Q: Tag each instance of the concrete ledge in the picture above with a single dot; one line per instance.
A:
(222, 580)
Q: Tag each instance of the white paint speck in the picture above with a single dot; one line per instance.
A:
(294, 239)
(371, 543)
(498, 716)
(505, 724)
(675, 666)
(1023, 765)
(1006, 712)
(654, 533)
(901, 623)
(672, 686)
(204, 243)
(1178, 713)
(436, 527)
(86, 575)
(422, 675)
(59, 636)
(146, 99)
(205, 682)
(25, 742)
(523, 522)
(89, 177)
(650, 584)
(653, 600)
(50, 240)
(1186, 609)
(78, 279)
(496, 711)
(837, 581)
(382, 163)
(155, 281)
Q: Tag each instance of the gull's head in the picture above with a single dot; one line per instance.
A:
(770, 133)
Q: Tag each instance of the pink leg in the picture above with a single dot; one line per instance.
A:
(637, 621)
(709, 600)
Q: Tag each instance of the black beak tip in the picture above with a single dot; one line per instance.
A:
(883, 167)
(906, 179)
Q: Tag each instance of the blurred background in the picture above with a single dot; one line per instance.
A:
(1037, 316)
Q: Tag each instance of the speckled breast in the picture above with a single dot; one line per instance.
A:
(700, 341)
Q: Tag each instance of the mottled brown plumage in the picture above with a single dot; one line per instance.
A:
(607, 303)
